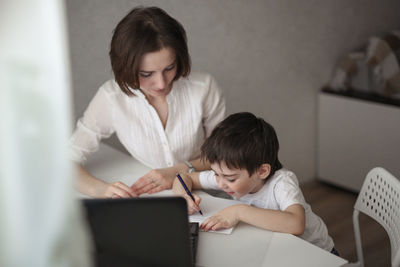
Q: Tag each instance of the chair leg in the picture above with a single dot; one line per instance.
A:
(396, 259)
(357, 237)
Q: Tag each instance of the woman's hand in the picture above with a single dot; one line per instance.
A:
(225, 218)
(155, 181)
(117, 190)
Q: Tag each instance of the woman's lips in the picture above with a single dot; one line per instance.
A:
(230, 193)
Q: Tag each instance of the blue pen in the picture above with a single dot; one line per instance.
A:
(187, 190)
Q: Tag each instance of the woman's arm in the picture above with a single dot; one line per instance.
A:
(161, 179)
(89, 185)
(200, 164)
(291, 220)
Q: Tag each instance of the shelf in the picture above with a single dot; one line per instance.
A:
(371, 97)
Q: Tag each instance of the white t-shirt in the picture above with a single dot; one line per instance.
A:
(195, 107)
(279, 192)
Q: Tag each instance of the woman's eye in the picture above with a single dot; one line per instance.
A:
(144, 74)
(170, 68)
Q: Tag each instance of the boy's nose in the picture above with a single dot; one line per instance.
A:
(221, 184)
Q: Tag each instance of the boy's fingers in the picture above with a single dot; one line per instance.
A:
(206, 225)
(217, 226)
(191, 210)
(197, 200)
(196, 207)
(191, 204)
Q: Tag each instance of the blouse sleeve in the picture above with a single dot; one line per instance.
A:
(95, 125)
(214, 106)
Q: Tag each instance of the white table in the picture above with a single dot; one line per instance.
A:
(246, 246)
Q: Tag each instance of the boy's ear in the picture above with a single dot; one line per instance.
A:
(264, 170)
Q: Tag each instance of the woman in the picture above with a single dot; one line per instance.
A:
(159, 112)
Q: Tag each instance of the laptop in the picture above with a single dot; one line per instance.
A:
(152, 231)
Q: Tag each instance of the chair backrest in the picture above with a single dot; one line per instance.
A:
(379, 198)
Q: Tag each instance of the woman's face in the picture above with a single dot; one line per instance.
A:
(157, 71)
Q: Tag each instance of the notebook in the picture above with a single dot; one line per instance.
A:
(141, 231)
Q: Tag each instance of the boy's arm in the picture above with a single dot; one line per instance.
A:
(192, 182)
(291, 220)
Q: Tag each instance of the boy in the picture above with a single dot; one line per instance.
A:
(243, 152)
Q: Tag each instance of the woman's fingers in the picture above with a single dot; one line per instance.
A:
(115, 190)
(154, 181)
(146, 189)
(118, 190)
(139, 185)
(150, 183)
(156, 189)
(126, 189)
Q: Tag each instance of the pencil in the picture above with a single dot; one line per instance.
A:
(187, 190)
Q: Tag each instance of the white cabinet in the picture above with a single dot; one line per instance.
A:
(353, 137)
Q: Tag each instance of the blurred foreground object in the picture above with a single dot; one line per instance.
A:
(40, 223)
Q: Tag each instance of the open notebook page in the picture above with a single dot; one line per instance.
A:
(210, 205)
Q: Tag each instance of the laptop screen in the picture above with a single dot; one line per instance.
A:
(140, 231)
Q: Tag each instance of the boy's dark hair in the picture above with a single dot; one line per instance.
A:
(243, 141)
(144, 30)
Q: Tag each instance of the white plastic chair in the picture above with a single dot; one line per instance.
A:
(379, 198)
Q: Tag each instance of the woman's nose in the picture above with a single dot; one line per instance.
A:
(160, 81)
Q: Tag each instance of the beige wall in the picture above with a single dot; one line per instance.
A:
(269, 57)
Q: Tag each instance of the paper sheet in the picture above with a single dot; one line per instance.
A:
(210, 205)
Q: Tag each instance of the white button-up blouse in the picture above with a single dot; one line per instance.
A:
(195, 107)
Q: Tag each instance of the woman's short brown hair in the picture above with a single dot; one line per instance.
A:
(144, 30)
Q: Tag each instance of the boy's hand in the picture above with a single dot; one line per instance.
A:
(193, 207)
(179, 190)
(225, 218)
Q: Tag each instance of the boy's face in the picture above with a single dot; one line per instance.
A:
(236, 182)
